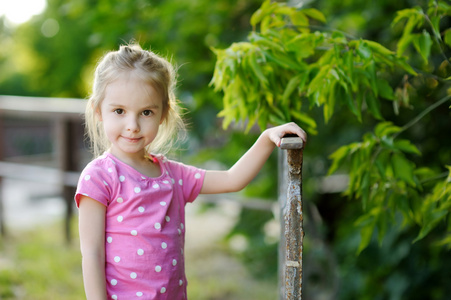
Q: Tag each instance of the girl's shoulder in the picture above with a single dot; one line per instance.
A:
(100, 164)
(177, 168)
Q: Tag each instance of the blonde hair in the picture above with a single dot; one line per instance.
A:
(154, 70)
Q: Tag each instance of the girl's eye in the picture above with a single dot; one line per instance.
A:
(147, 113)
(119, 111)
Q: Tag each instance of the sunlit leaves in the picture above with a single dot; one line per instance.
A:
(285, 67)
(381, 175)
(414, 19)
(436, 207)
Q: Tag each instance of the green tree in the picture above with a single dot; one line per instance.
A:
(292, 66)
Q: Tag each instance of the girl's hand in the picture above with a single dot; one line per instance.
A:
(247, 167)
(276, 134)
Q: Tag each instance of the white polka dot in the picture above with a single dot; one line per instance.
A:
(174, 262)
(134, 232)
(164, 245)
(157, 225)
(109, 239)
(87, 177)
(162, 203)
(197, 176)
(139, 294)
(110, 170)
(167, 218)
(182, 226)
(181, 182)
(120, 200)
(163, 290)
(137, 190)
(120, 218)
(117, 259)
(165, 182)
(173, 181)
(133, 275)
(180, 282)
(141, 209)
(113, 281)
(180, 232)
(155, 185)
(140, 251)
(121, 178)
(104, 182)
(114, 297)
(158, 269)
(181, 251)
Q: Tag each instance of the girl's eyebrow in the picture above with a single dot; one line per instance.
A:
(152, 106)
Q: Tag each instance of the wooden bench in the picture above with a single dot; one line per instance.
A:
(65, 116)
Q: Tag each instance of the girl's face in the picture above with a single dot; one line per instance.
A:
(132, 112)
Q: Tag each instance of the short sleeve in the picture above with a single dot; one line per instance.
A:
(190, 179)
(94, 182)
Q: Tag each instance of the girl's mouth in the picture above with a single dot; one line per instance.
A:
(131, 140)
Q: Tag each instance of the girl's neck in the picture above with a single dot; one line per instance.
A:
(143, 163)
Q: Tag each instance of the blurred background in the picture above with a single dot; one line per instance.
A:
(50, 49)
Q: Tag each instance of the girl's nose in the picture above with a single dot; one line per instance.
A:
(133, 125)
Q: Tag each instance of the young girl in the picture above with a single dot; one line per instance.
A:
(131, 201)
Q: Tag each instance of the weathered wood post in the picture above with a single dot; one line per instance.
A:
(292, 226)
(2, 214)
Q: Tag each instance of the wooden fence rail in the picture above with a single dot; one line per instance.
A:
(65, 117)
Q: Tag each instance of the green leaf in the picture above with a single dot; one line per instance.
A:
(435, 21)
(257, 70)
(305, 119)
(373, 105)
(433, 218)
(365, 189)
(403, 168)
(406, 146)
(260, 13)
(376, 47)
(448, 37)
(338, 158)
(364, 50)
(342, 94)
(365, 234)
(303, 45)
(386, 128)
(423, 43)
(384, 89)
(317, 83)
(295, 82)
(403, 64)
(259, 40)
(314, 14)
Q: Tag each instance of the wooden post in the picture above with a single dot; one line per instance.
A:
(2, 214)
(66, 140)
(293, 232)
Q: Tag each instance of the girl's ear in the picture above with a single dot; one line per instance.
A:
(164, 115)
(99, 114)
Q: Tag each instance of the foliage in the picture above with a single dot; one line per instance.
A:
(286, 64)
(370, 78)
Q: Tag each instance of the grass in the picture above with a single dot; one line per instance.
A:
(37, 264)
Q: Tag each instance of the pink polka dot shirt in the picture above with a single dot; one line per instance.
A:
(145, 225)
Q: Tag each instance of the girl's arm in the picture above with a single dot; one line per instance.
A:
(248, 166)
(92, 244)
